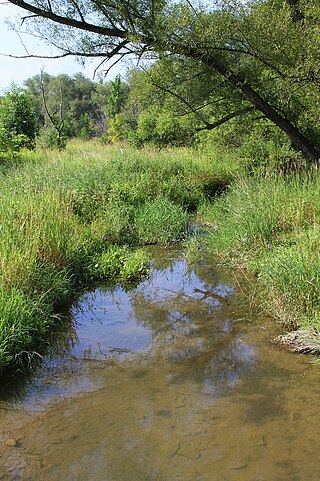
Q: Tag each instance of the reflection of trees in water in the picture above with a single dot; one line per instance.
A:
(192, 314)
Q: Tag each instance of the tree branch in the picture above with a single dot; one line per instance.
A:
(76, 6)
(194, 109)
(71, 22)
(225, 119)
(174, 94)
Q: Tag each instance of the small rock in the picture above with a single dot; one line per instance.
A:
(14, 443)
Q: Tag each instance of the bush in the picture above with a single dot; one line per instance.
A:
(18, 125)
(159, 128)
(48, 138)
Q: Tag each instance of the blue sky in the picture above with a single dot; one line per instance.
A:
(18, 70)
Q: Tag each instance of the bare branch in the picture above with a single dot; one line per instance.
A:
(22, 43)
(62, 55)
(98, 66)
(191, 6)
(115, 63)
(78, 10)
(140, 54)
(194, 109)
(44, 100)
(71, 22)
(23, 19)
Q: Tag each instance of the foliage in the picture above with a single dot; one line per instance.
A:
(258, 55)
(119, 262)
(17, 120)
(161, 222)
(74, 106)
(116, 131)
(168, 104)
(117, 97)
(247, 63)
(47, 138)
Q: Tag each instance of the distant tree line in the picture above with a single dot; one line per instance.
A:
(50, 110)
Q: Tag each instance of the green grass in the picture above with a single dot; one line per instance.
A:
(81, 216)
(271, 226)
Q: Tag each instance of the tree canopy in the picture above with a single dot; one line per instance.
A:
(259, 54)
(18, 124)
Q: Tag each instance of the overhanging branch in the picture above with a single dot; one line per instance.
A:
(71, 22)
(211, 126)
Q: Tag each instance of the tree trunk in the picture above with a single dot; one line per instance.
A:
(298, 139)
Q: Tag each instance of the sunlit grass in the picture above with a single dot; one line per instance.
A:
(71, 218)
(271, 226)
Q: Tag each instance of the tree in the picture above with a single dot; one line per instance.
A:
(266, 51)
(68, 106)
(175, 98)
(117, 97)
(18, 124)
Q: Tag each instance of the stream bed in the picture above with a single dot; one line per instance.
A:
(175, 379)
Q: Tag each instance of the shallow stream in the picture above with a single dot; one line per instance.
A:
(174, 379)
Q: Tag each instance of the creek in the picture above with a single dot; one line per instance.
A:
(175, 379)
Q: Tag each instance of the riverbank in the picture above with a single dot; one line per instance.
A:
(82, 216)
(270, 226)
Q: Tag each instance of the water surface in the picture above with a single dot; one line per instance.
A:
(174, 379)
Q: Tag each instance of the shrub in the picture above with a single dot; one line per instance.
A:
(18, 125)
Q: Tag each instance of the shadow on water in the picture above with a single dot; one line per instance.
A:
(171, 379)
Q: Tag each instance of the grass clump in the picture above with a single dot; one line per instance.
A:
(23, 322)
(161, 222)
(270, 226)
(293, 277)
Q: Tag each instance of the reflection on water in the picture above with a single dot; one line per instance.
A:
(174, 379)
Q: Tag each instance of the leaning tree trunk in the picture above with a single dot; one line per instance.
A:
(300, 141)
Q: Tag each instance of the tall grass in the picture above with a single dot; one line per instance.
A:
(68, 219)
(271, 226)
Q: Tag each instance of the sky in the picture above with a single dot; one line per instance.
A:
(18, 70)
